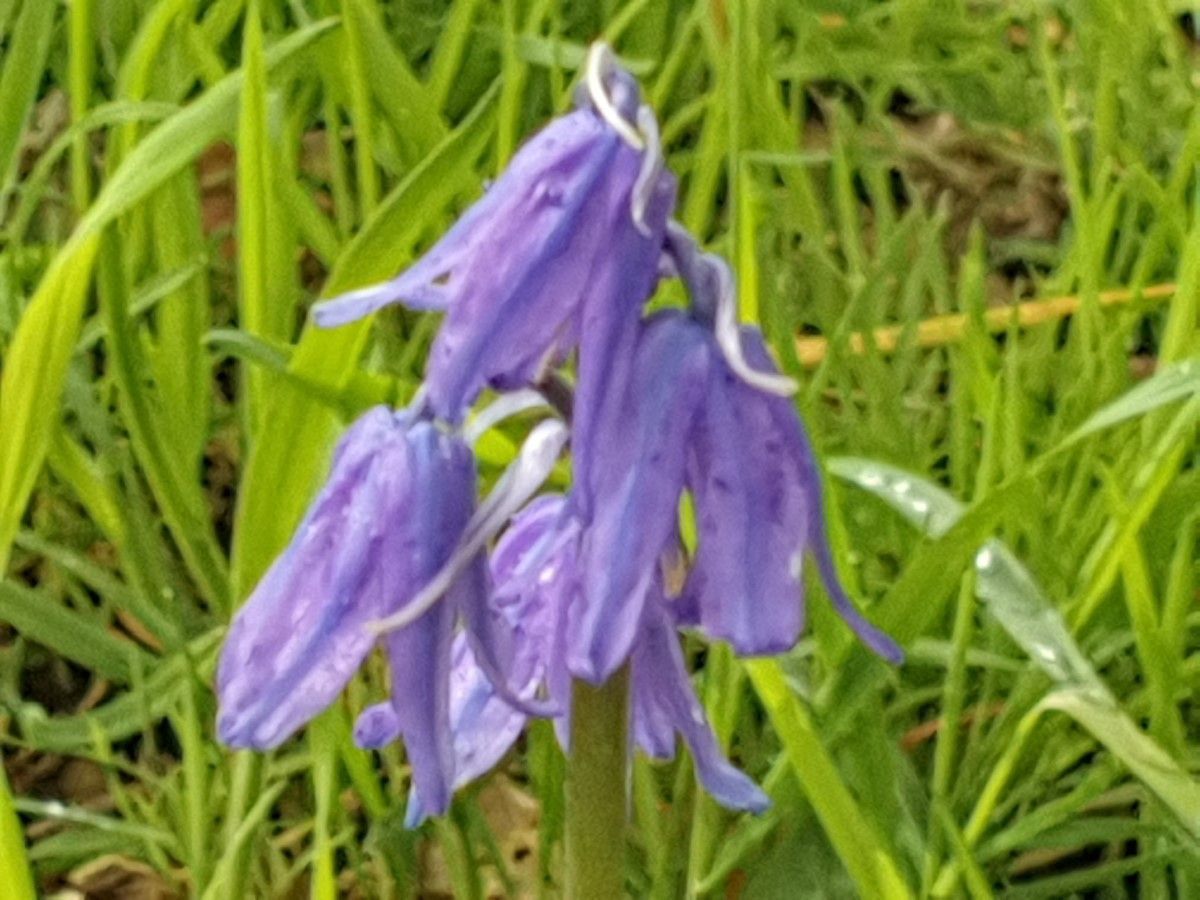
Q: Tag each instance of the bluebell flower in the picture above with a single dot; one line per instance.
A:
(685, 419)
(560, 254)
(536, 581)
(397, 514)
(563, 248)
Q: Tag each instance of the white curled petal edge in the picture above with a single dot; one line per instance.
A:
(729, 339)
(516, 486)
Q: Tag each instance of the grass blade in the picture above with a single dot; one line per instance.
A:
(34, 373)
(254, 306)
(41, 346)
(14, 863)
(1015, 600)
(864, 855)
(1168, 385)
(24, 63)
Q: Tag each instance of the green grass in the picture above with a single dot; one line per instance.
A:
(1017, 508)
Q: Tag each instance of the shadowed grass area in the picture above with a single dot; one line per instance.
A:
(969, 229)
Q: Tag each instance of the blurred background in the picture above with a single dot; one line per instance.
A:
(969, 227)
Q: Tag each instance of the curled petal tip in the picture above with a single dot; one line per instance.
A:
(884, 646)
(729, 339)
(767, 382)
(651, 171)
(757, 802)
(377, 726)
(599, 62)
(876, 640)
(509, 404)
(519, 482)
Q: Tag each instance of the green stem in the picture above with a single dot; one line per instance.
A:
(598, 789)
(81, 68)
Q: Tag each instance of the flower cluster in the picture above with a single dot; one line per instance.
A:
(559, 258)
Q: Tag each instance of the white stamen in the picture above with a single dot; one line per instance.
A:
(518, 483)
(648, 175)
(729, 339)
(505, 406)
(599, 59)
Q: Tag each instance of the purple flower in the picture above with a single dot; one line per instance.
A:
(684, 418)
(536, 582)
(759, 514)
(564, 245)
(629, 477)
(377, 530)
(391, 520)
(561, 253)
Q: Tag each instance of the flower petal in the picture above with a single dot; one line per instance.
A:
(376, 727)
(483, 724)
(530, 193)
(518, 483)
(759, 508)
(663, 691)
(610, 324)
(483, 721)
(750, 482)
(419, 656)
(301, 635)
(635, 467)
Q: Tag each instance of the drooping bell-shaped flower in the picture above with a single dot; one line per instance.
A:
(686, 419)
(398, 507)
(536, 580)
(759, 515)
(398, 496)
(563, 247)
(629, 478)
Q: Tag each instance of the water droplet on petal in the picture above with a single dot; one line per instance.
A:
(983, 559)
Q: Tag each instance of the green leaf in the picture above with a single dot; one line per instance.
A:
(361, 391)
(127, 714)
(1166, 386)
(14, 864)
(33, 185)
(24, 63)
(255, 308)
(916, 600)
(862, 852)
(225, 870)
(34, 372)
(177, 141)
(1014, 599)
(37, 358)
(401, 97)
(68, 634)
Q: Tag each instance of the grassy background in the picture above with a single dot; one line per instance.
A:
(179, 179)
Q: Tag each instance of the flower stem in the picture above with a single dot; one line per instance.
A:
(598, 789)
